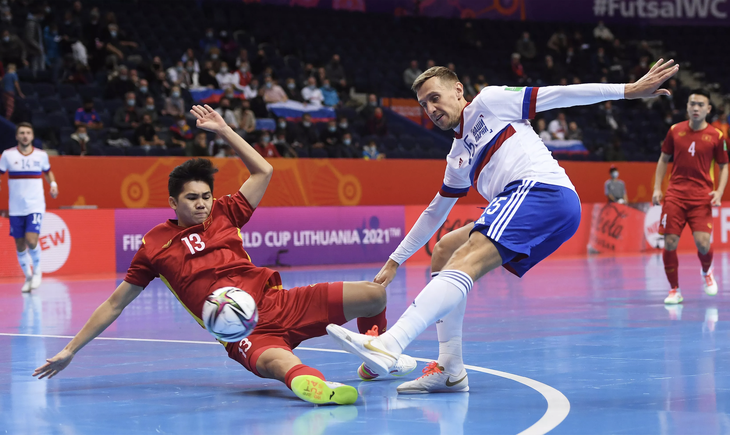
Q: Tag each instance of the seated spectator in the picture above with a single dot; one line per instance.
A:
(481, 83)
(145, 134)
(117, 44)
(608, 117)
(177, 75)
(174, 104)
(376, 125)
(248, 118)
(311, 94)
(343, 126)
(128, 116)
(411, 74)
(366, 111)
(282, 145)
(335, 72)
(154, 67)
(226, 78)
(307, 134)
(349, 147)
(228, 114)
(244, 75)
(12, 49)
(199, 145)
(180, 132)
(602, 33)
(251, 90)
(265, 147)
(143, 91)
(207, 77)
(518, 71)
(134, 77)
(542, 130)
(150, 109)
(574, 132)
(331, 136)
(288, 130)
(79, 141)
(242, 58)
(273, 93)
(371, 152)
(119, 85)
(329, 94)
(526, 47)
(558, 43)
(86, 116)
(160, 87)
(189, 56)
(558, 127)
(209, 41)
(292, 90)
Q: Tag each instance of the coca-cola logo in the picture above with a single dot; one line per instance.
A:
(445, 229)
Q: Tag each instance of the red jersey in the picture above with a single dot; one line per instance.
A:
(195, 261)
(695, 154)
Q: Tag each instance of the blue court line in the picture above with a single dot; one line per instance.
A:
(558, 406)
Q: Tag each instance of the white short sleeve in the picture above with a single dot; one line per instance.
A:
(45, 163)
(509, 104)
(3, 163)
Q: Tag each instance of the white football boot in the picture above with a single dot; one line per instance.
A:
(436, 380)
(369, 349)
(674, 297)
(709, 283)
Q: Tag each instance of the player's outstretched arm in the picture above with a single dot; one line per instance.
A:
(261, 171)
(104, 316)
(661, 171)
(425, 227)
(717, 193)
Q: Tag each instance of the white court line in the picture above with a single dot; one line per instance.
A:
(558, 406)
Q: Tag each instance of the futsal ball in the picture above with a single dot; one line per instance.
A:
(230, 314)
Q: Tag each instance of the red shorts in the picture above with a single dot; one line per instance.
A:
(676, 214)
(288, 317)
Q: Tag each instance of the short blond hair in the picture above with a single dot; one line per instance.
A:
(440, 72)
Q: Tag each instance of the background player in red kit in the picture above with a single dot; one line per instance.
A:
(696, 146)
(202, 251)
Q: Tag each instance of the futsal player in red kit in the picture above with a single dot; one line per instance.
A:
(202, 251)
(696, 146)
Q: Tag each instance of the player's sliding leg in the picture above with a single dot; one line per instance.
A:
(34, 249)
(25, 261)
(444, 293)
(449, 328)
(306, 382)
(366, 301)
(671, 268)
(704, 252)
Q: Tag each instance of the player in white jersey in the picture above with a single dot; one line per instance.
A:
(26, 167)
(533, 209)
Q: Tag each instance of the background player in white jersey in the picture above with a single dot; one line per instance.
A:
(26, 167)
(533, 209)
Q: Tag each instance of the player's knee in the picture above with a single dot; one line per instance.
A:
(671, 242)
(441, 254)
(376, 297)
(703, 246)
(31, 243)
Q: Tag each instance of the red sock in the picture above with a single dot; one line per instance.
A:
(364, 324)
(300, 370)
(706, 260)
(671, 263)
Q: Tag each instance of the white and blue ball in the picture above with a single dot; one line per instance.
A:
(230, 314)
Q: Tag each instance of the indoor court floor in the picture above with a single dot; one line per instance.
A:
(578, 346)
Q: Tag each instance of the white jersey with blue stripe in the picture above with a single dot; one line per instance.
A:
(25, 184)
(495, 145)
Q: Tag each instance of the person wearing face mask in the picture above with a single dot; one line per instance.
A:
(330, 98)
(366, 111)
(248, 118)
(226, 78)
(180, 132)
(371, 152)
(209, 41)
(78, 145)
(330, 136)
(174, 104)
(292, 90)
(348, 148)
(143, 91)
(189, 56)
(87, 117)
(92, 28)
(343, 126)
(128, 116)
(228, 114)
(119, 85)
(207, 76)
(614, 188)
(273, 93)
(177, 75)
(311, 94)
(265, 147)
(376, 125)
(149, 108)
(12, 49)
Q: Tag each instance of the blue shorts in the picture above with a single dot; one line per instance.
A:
(529, 221)
(19, 225)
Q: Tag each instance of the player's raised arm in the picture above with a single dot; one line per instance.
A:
(261, 171)
(103, 316)
(425, 227)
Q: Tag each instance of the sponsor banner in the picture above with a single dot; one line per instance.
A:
(72, 242)
(656, 12)
(292, 236)
(616, 228)
(407, 107)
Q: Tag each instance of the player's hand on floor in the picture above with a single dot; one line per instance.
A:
(208, 119)
(656, 198)
(387, 273)
(716, 198)
(648, 86)
(54, 365)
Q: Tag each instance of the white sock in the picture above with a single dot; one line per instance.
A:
(449, 330)
(24, 260)
(35, 255)
(437, 299)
